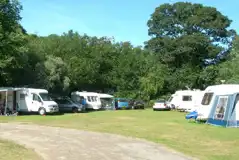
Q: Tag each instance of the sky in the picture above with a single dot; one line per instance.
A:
(125, 20)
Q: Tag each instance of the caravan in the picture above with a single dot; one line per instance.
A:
(107, 101)
(185, 100)
(209, 97)
(92, 99)
(28, 100)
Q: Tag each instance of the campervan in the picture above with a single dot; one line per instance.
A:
(209, 96)
(185, 100)
(107, 101)
(92, 99)
(35, 100)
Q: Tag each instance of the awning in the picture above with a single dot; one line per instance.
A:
(7, 89)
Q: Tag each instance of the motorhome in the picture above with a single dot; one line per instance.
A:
(92, 99)
(29, 100)
(185, 100)
(209, 96)
(107, 101)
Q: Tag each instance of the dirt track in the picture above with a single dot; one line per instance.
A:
(58, 144)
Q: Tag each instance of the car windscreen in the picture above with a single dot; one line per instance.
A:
(123, 100)
(63, 101)
(45, 96)
(160, 101)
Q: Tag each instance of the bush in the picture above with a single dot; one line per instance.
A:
(150, 104)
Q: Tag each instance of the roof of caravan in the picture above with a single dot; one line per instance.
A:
(37, 90)
(187, 91)
(85, 93)
(223, 88)
(17, 89)
(103, 95)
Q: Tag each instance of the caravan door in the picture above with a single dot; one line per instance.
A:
(36, 102)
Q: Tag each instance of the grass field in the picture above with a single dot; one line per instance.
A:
(168, 128)
(11, 151)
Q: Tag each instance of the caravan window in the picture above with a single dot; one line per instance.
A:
(170, 99)
(22, 96)
(187, 98)
(95, 99)
(235, 103)
(89, 98)
(92, 98)
(207, 98)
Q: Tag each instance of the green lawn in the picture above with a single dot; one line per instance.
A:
(169, 128)
(11, 151)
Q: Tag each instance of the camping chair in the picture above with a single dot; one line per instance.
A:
(10, 112)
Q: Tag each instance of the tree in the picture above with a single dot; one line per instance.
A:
(228, 70)
(183, 36)
(12, 43)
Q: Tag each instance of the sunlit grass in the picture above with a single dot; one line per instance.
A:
(11, 151)
(169, 128)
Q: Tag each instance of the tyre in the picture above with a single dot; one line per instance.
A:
(42, 111)
(75, 110)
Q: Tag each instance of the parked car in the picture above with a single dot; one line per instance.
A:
(160, 105)
(122, 103)
(67, 105)
(137, 104)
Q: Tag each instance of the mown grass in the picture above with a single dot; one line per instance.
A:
(169, 128)
(11, 151)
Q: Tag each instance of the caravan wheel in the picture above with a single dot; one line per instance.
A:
(42, 111)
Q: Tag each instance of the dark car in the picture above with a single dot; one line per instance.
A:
(137, 104)
(67, 105)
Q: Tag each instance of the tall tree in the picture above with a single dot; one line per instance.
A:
(12, 43)
(183, 35)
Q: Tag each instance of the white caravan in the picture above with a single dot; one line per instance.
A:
(210, 93)
(28, 100)
(35, 100)
(92, 99)
(107, 101)
(186, 100)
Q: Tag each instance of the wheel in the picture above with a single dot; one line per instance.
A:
(75, 110)
(42, 111)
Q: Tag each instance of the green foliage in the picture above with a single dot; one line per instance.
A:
(183, 35)
(228, 70)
